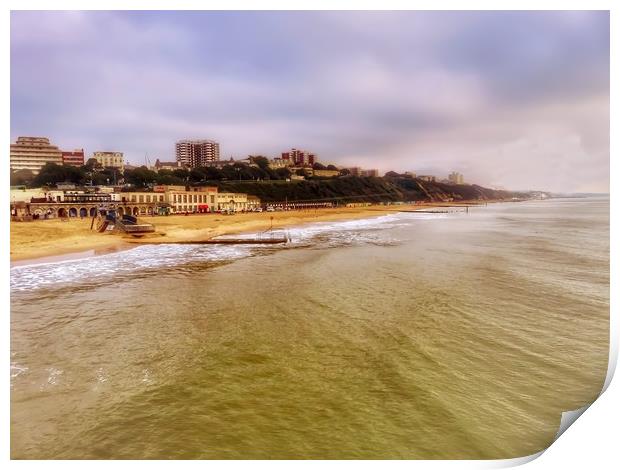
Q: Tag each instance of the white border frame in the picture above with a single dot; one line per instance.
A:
(591, 442)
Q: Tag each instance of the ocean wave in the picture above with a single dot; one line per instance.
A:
(98, 268)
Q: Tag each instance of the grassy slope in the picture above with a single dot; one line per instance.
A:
(352, 189)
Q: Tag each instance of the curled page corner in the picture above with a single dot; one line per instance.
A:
(515, 462)
(568, 418)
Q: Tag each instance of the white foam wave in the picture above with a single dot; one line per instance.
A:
(29, 277)
(99, 267)
(54, 375)
(17, 370)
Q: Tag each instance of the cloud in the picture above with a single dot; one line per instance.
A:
(517, 99)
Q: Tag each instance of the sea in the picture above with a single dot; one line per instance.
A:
(458, 335)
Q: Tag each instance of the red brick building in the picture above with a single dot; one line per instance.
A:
(74, 158)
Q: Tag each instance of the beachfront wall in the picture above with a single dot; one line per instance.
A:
(62, 210)
(286, 206)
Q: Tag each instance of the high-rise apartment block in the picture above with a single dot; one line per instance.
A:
(194, 153)
(32, 153)
(110, 160)
(299, 157)
(73, 158)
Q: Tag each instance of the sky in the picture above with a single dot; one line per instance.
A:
(515, 100)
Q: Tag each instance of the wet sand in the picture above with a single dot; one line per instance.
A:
(57, 238)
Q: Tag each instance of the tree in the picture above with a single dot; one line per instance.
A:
(181, 173)
(169, 178)
(107, 176)
(332, 167)
(318, 166)
(214, 173)
(140, 177)
(392, 174)
(345, 172)
(262, 162)
(198, 174)
(21, 177)
(244, 172)
(92, 165)
(228, 172)
(53, 174)
(283, 173)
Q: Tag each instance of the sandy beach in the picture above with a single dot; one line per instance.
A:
(52, 238)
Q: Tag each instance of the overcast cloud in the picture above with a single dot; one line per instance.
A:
(512, 99)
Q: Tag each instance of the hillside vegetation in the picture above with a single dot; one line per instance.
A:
(363, 189)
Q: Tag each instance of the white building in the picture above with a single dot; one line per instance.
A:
(427, 178)
(110, 160)
(455, 178)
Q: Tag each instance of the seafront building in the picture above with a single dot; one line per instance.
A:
(236, 202)
(32, 153)
(195, 153)
(180, 199)
(164, 199)
(26, 195)
(110, 160)
(188, 199)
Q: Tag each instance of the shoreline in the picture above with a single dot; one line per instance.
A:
(55, 240)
